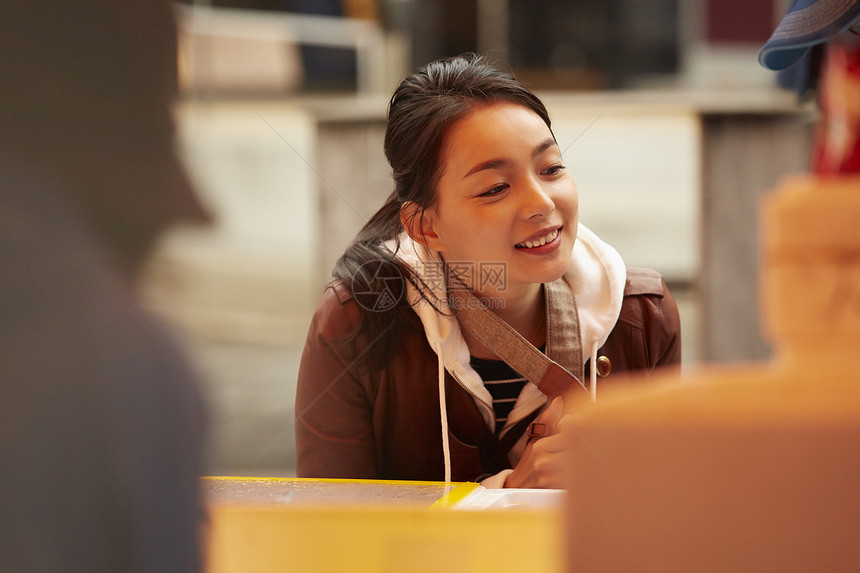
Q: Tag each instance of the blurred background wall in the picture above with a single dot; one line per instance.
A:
(671, 130)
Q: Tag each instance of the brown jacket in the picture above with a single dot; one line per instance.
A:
(352, 424)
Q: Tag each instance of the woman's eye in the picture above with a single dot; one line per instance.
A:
(553, 170)
(494, 191)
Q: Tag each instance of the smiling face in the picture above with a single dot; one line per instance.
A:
(504, 197)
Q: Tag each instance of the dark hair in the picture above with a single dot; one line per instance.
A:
(422, 109)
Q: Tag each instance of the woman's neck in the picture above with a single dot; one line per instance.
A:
(523, 309)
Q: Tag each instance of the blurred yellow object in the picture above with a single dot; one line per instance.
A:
(748, 467)
(256, 525)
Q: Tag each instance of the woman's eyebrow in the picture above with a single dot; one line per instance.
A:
(504, 162)
(543, 146)
(490, 164)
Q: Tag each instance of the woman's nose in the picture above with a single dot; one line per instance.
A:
(536, 202)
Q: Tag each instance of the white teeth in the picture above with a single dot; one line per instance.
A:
(540, 242)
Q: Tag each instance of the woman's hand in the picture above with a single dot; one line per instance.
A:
(544, 463)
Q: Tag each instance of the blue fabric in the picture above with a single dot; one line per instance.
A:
(802, 76)
(807, 23)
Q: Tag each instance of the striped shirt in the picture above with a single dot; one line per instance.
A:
(503, 383)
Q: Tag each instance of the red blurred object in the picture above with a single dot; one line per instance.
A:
(739, 21)
(836, 148)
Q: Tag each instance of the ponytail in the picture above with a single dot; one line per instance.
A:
(367, 268)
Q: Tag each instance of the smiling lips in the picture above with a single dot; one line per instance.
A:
(539, 241)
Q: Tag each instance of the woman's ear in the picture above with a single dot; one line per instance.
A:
(419, 224)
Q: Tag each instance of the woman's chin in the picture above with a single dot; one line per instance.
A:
(556, 268)
(547, 274)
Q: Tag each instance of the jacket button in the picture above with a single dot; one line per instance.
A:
(604, 366)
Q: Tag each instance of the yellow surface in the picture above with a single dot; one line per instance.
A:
(246, 538)
(271, 491)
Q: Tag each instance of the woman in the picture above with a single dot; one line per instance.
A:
(483, 216)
